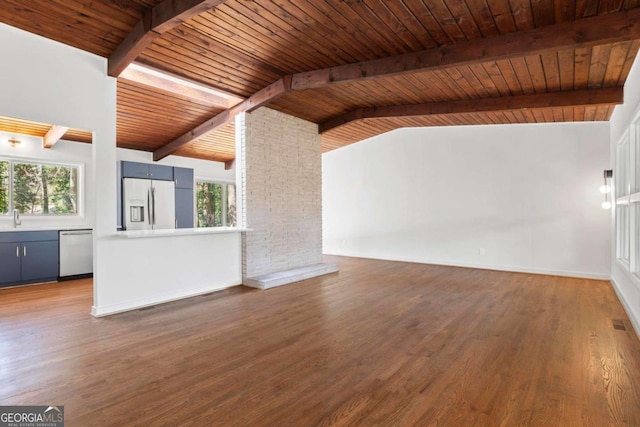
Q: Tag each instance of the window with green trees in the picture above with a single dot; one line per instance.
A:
(38, 188)
(216, 204)
(4, 187)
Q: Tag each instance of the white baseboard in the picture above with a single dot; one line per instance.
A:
(531, 270)
(101, 311)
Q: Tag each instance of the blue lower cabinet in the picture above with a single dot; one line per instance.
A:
(39, 261)
(9, 264)
(28, 257)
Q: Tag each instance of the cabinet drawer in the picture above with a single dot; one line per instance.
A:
(28, 236)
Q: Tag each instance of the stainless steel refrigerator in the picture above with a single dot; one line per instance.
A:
(148, 204)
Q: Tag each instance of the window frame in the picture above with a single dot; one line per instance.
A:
(225, 207)
(622, 189)
(634, 197)
(80, 211)
(626, 191)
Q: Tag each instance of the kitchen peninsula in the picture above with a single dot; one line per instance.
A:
(166, 265)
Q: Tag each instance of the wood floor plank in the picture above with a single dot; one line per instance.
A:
(379, 343)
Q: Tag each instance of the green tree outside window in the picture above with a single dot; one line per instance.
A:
(38, 189)
(215, 204)
(4, 187)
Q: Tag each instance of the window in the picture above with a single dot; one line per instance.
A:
(4, 187)
(627, 197)
(38, 188)
(216, 204)
(622, 191)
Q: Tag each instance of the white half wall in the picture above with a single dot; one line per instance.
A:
(626, 284)
(185, 266)
(506, 197)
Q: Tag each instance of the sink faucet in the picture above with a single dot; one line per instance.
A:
(16, 218)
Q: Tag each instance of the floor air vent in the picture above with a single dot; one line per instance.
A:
(619, 325)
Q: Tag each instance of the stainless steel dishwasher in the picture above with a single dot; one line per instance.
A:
(76, 254)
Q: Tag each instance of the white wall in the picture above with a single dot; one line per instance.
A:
(526, 194)
(626, 285)
(49, 82)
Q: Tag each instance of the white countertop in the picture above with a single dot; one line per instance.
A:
(136, 234)
(31, 228)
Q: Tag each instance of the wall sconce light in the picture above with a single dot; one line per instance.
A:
(14, 142)
(606, 188)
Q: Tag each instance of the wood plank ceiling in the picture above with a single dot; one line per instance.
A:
(25, 127)
(242, 47)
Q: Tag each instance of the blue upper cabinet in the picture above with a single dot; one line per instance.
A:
(183, 177)
(147, 171)
(161, 172)
(135, 170)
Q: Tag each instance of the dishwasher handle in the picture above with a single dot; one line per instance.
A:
(76, 233)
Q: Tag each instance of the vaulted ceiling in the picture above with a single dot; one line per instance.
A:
(358, 68)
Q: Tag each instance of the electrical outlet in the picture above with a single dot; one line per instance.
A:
(482, 251)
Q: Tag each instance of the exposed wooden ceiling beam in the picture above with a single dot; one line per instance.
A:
(603, 29)
(597, 30)
(155, 22)
(258, 99)
(53, 135)
(607, 96)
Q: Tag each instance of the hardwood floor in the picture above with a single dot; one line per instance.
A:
(380, 343)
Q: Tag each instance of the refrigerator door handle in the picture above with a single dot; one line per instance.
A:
(149, 205)
(153, 201)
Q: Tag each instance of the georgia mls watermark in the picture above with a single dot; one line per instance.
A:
(31, 416)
